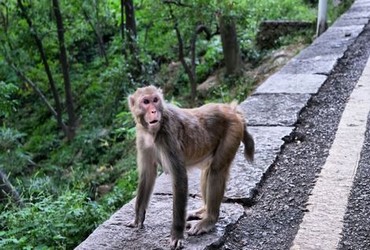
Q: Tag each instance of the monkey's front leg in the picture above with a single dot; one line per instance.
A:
(180, 193)
(147, 175)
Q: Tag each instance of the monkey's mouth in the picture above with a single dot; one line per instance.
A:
(153, 122)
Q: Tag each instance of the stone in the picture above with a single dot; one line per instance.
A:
(321, 65)
(347, 21)
(339, 33)
(274, 109)
(292, 83)
(113, 234)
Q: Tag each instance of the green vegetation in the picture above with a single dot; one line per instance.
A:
(72, 160)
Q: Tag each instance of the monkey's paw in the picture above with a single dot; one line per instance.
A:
(135, 224)
(176, 243)
(197, 214)
(199, 227)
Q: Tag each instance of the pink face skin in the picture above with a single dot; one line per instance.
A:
(151, 104)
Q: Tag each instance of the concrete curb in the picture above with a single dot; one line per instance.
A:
(272, 112)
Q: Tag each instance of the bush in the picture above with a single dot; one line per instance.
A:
(7, 103)
(51, 223)
(123, 191)
(12, 157)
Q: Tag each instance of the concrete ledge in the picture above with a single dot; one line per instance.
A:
(321, 65)
(292, 84)
(113, 234)
(274, 109)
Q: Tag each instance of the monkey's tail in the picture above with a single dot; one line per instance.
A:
(248, 145)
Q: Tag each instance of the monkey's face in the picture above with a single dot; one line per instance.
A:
(151, 107)
(146, 106)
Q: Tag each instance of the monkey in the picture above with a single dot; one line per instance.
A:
(178, 139)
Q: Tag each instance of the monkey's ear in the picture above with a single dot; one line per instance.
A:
(131, 102)
(160, 92)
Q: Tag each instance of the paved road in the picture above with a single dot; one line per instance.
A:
(308, 191)
(322, 175)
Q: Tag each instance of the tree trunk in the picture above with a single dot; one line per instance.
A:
(130, 26)
(130, 18)
(72, 121)
(99, 38)
(40, 47)
(7, 191)
(130, 48)
(190, 71)
(123, 19)
(193, 43)
(230, 46)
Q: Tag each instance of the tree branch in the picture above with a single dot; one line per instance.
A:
(8, 191)
(41, 95)
(202, 28)
(98, 36)
(34, 87)
(181, 48)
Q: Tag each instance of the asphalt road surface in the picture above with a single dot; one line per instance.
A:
(317, 193)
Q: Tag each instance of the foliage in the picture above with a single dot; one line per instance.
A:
(211, 58)
(127, 127)
(257, 11)
(8, 103)
(13, 159)
(123, 191)
(50, 223)
(232, 89)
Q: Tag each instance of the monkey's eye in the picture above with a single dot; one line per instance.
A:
(146, 101)
(155, 100)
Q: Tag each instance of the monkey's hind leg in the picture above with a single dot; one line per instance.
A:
(215, 191)
(199, 213)
(215, 187)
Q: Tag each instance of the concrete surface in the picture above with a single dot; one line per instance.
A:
(113, 234)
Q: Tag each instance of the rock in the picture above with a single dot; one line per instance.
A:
(113, 234)
(205, 87)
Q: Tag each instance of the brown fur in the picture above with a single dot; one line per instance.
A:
(207, 137)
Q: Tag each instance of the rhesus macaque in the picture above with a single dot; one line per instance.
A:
(177, 139)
